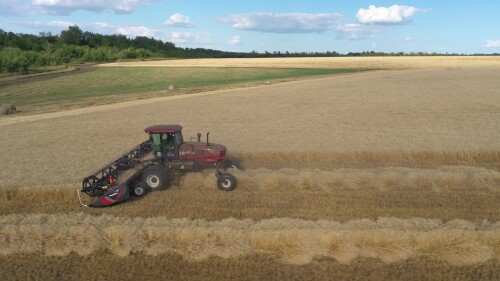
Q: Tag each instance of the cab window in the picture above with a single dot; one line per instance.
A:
(178, 138)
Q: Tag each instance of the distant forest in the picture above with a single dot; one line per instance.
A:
(21, 52)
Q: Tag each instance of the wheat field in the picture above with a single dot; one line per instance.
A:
(410, 62)
(380, 175)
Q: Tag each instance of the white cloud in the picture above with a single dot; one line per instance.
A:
(301, 23)
(47, 24)
(57, 26)
(491, 44)
(234, 40)
(284, 22)
(68, 6)
(133, 31)
(394, 14)
(179, 20)
(101, 25)
(354, 31)
(189, 38)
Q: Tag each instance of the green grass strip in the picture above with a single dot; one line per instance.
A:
(136, 82)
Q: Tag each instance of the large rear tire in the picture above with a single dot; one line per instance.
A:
(226, 182)
(155, 178)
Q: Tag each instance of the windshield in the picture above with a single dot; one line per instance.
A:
(178, 138)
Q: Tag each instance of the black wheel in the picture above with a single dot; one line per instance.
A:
(139, 190)
(155, 178)
(226, 182)
(233, 164)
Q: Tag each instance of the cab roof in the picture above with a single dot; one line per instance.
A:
(158, 129)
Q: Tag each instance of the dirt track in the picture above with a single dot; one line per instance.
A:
(30, 78)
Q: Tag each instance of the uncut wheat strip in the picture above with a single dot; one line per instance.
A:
(336, 159)
(294, 241)
(444, 178)
(381, 179)
(336, 62)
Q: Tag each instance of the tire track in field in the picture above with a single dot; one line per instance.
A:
(26, 79)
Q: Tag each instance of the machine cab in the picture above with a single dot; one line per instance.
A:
(167, 143)
(165, 140)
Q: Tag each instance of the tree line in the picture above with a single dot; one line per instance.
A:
(21, 52)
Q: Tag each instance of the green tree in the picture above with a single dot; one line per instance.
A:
(13, 60)
(72, 36)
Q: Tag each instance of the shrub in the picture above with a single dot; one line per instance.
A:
(8, 109)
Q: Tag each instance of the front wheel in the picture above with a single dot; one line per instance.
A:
(226, 182)
(234, 164)
(139, 190)
(155, 178)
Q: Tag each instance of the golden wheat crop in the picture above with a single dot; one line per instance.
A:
(446, 178)
(209, 203)
(348, 62)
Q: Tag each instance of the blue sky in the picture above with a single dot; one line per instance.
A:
(256, 25)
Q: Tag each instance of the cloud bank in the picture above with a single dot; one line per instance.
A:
(284, 22)
(19, 8)
(68, 6)
(369, 21)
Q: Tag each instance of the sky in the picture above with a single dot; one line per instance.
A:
(257, 25)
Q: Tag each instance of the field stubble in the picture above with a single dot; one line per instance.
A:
(411, 118)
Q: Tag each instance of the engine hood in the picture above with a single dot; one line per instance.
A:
(201, 152)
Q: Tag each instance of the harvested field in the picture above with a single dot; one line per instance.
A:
(372, 117)
(382, 175)
(257, 267)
